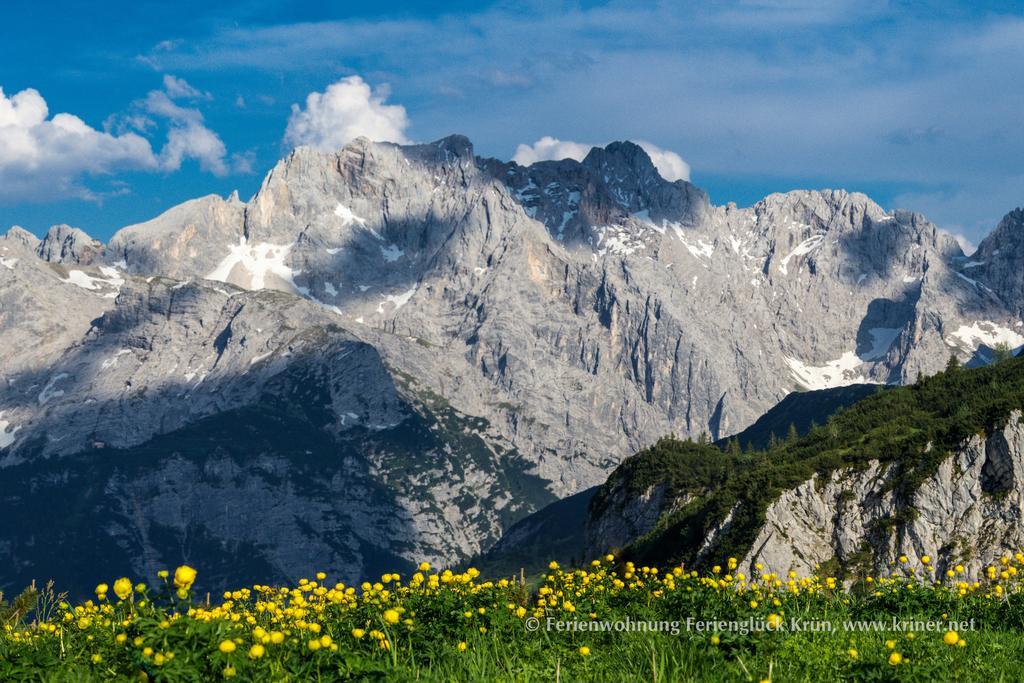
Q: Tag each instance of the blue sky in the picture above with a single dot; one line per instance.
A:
(917, 104)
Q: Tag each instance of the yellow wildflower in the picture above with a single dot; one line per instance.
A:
(123, 588)
(184, 577)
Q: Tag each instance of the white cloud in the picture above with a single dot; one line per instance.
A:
(550, 149)
(193, 141)
(43, 157)
(965, 243)
(346, 110)
(179, 88)
(669, 164)
(187, 134)
(244, 162)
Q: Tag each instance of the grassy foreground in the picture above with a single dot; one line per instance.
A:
(618, 622)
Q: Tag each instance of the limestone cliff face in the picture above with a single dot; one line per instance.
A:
(968, 512)
(995, 261)
(64, 244)
(628, 517)
(149, 421)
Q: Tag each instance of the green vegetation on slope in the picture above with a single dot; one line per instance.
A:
(914, 428)
(799, 412)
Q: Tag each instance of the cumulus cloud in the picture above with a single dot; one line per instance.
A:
(965, 243)
(43, 157)
(187, 134)
(179, 88)
(669, 164)
(346, 110)
(550, 149)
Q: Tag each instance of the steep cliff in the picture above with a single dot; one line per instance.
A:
(929, 469)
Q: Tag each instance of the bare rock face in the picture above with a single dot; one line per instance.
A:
(184, 234)
(588, 308)
(968, 512)
(22, 237)
(563, 315)
(995, 263)
(64, 244)
(243, 431)
(631, 516)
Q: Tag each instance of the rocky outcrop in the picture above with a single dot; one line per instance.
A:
(72, 246)
(996, 261)
(968, 512)
(22, 237)
(631, 516)
(248, 430)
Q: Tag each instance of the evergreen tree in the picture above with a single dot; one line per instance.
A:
(792, 434)
(953, 364)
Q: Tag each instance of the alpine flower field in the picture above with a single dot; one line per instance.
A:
(609, 621)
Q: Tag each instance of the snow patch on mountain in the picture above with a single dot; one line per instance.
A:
(391, 253)
(398, 300)
(49, 391)
(834, 373)
(6, 436)
(618, 240)
(111, 280)
(985, 332)
(805, 247)
(698, 250)
(112, 361)
(346, 215)
(257, 266)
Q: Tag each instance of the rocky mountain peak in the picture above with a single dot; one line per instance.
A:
(21, 236)
(997, 260)
(622, 159)
(823, 210)
(445, 150)
(1008, 236)
(65, 244)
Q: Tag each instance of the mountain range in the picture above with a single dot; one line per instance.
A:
(393, 353)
